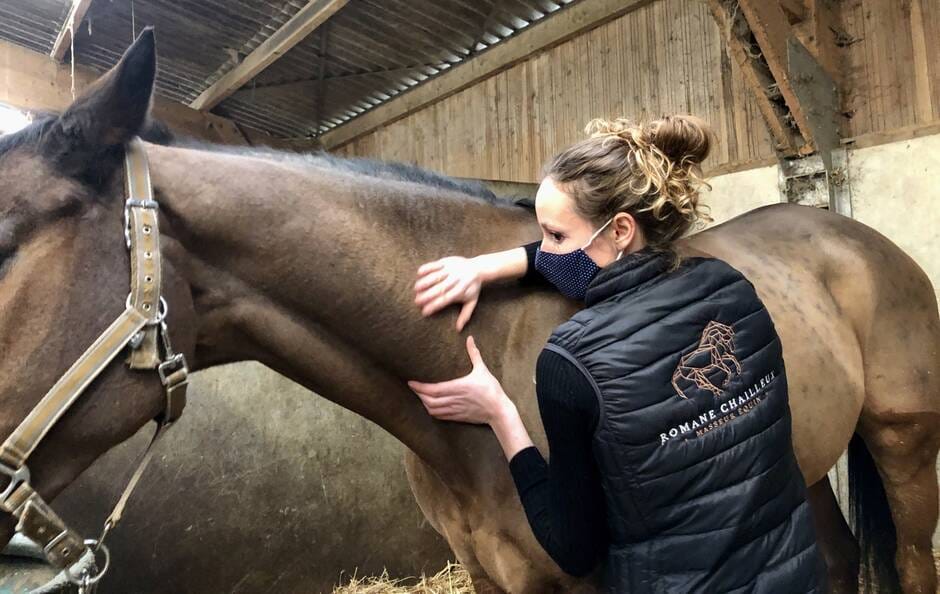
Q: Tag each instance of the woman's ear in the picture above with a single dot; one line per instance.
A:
(625, 231)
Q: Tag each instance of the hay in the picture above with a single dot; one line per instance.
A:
(453, 579)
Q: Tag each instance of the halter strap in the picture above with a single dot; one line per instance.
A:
(142, 234)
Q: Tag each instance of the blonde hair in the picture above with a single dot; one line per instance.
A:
(649, 170)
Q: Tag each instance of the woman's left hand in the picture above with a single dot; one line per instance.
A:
(475, 398)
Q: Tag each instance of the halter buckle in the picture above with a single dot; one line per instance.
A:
(166, 369)
(134, 203)
(17, 477)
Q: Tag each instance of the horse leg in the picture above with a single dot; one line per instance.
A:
(497, 558)
(904, 448)
(836, 541)
(441, 509)
(899, 423)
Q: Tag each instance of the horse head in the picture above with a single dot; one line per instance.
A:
(64, 276)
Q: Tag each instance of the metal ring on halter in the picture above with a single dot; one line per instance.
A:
(161, 314)
(86, 579)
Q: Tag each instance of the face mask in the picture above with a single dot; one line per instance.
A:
(572, 272)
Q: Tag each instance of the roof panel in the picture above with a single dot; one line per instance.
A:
(375, 49)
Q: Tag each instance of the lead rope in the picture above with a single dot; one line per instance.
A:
(117, 513)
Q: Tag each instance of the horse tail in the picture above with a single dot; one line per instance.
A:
(872, 522)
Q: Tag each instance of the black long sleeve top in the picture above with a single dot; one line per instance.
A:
(563, 498)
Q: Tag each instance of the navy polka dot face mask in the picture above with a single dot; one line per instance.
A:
(572, 272)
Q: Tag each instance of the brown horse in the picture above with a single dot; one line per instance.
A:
(306, 264)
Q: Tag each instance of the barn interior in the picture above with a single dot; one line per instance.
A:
(833, 104)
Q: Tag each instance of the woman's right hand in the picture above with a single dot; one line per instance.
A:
(449, 280)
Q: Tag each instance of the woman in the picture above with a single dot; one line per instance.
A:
(664, 401)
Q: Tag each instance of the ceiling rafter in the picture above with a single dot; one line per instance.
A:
(63, 40)
(302, 24)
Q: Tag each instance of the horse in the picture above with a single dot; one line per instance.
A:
(306, 264)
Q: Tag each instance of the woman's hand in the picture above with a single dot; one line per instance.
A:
(446, 281)
(475, 398)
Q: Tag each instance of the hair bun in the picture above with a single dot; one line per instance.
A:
(668, 152)
(622, 127)
(682, 138)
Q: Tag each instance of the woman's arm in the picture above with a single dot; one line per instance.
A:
(459, 280)
(505, 265)
(563, 499)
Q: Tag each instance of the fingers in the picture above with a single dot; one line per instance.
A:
(465, 312)
(430, 267)
(437, 406)
(428, 296)
(450, 414)
(435, 305)
(436, 291)
(439, 389)
(444, 408)
(449, 286)
(429, 280)
(475, 357)
(452, 294)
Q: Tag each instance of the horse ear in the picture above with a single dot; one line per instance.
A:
(112, 110)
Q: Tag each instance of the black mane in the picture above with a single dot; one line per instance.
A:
(356, 165)
(405, 172)
(158, 133)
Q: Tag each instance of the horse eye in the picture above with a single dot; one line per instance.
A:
(5, 254)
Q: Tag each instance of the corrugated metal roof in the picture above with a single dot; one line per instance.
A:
(370, 51)
(33, 24)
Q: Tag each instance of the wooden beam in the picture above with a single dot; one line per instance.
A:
(795, 91)
(795, 9)
(815, 31)
(893, 135)
(549, 32)
(923, 101)
(321, 86)
(771, 29)
(64, 39)
(297, 145)
(310, 84)
(302, 24)
(757, 77)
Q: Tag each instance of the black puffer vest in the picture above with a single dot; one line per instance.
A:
(703, 491)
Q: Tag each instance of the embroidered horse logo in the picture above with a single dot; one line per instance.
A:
(712, 364)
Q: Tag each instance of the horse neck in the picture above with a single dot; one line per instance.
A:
(310, 271)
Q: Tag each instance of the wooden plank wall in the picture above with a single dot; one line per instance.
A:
(893, 64)
(667, 57)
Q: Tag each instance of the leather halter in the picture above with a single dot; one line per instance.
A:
(142, 327)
